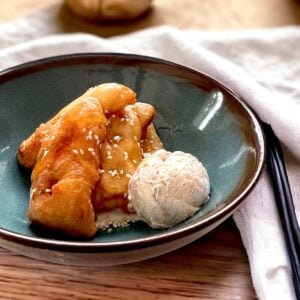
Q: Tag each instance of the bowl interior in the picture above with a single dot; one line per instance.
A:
(194, 114)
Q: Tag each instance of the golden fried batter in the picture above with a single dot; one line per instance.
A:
(151, 141)
(83, 158)
(121, 153)
(65, 157)
(113, 97)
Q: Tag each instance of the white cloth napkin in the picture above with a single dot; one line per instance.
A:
(263, 66)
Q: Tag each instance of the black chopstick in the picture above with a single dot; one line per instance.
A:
(284, 200)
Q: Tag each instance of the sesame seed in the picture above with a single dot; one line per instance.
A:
(98, 142)
(91, 149)
(121, 172)
(113, 116)
(101, 171)
(75, 151)
(135, 138)
(52, 138)
(47, 190)
(93, 153)
(122, 96)
(83, 129)
(108, 146)
(96, 137)
(107, 122)
(45, 152)
(128, 175)
(115, 145)
(109, 157)
(122, 119)
(106, 111)
(134, 161)
(125, 155)
(113, 173)
(81, 151)
(108, 153)
(117, 138)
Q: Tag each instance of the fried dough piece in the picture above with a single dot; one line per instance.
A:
(112, 96)
(65, 156)
(151, 141)
(121, 153)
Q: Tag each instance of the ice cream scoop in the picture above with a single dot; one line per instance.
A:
(167, 188)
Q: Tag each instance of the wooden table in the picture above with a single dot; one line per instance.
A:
(214, 267)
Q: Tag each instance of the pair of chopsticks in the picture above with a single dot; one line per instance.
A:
(285, 204)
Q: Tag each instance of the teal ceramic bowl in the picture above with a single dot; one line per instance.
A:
(195, 114)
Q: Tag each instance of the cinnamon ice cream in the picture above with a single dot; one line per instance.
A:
(167, 188)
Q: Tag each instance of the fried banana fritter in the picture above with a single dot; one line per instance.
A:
(83, 158)
(65, 157)
(121, 153)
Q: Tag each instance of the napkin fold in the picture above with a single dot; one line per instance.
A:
(263, 66)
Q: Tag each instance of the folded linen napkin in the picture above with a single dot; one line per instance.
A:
(263, 66)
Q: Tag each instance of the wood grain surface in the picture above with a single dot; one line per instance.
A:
(214, 267)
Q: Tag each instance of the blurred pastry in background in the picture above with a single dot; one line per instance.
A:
(109, 10)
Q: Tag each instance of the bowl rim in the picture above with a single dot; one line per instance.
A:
(160, 238)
